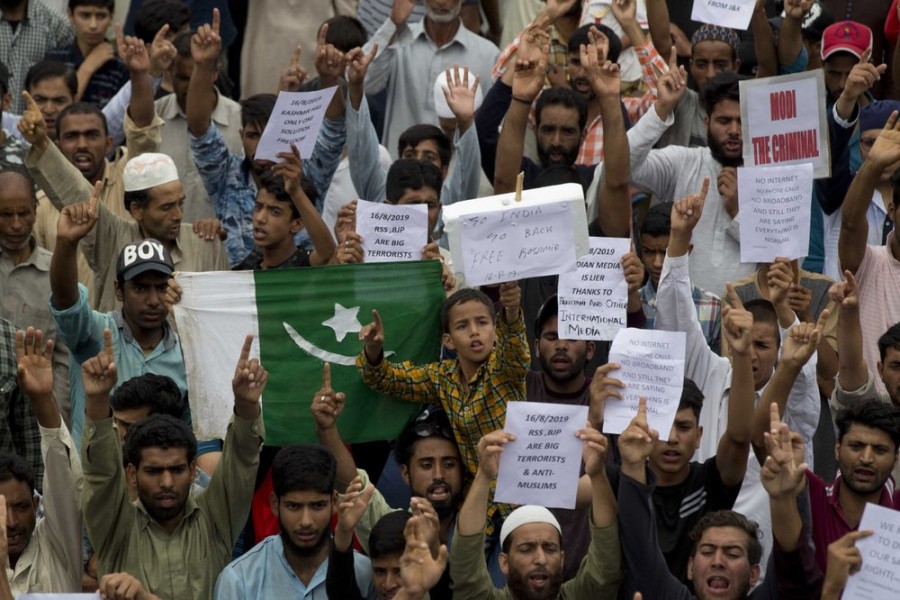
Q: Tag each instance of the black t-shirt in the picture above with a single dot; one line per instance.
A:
(253, 261)
(678, 508)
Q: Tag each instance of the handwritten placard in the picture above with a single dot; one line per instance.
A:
(392, 232)
(735, 14)
(296, 119)
(775, 205)
(652, 365)
(518, 242)
(542, 464)
(783, 121)
(880, 574)
(593, 299)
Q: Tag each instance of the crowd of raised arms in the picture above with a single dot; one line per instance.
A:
(129, 170)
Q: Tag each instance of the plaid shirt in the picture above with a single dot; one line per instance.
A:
(559, 55)
(653, 66)
(19, 432)
(709, 312)
(500, 380)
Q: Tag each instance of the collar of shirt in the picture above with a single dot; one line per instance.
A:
(833, 496)
(168, 109)
(168, 342)
(190, 508)
(461, 37)
(38, 260)
(318, 577)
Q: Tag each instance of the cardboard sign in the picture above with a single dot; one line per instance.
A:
(652, 366)
(783, 121)
(880, 574)
(296, 119)
(593, 299)
(775, 205)
(542, 464)
(570, 233)
(392, 232)
(735, 14)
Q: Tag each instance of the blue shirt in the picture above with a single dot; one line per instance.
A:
(263, 572)
(81, 329)
(232, 191)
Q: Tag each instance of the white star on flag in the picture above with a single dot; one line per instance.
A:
(344, 321)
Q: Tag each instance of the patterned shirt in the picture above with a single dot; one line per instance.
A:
(498, 381)
(19, 432)
(232, 190)
(104, 83)
(26, 42)
(709, 312)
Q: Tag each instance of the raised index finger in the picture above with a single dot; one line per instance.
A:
(323, 31)
(161, 34)
(217, 20)
(733, 298)
(866, 56)
(704, 190)
(245, 351)
(30, 103)
(95, 196)
(107, 342)
(326, 376)
(295, 59)
(774, 417)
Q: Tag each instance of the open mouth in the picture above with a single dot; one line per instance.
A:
(539, 580)
(671, 456)
(258, 234)
(438, 493)
(718, 584)
(83, 161)
(864, 475)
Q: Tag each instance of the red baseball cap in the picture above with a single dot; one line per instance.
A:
(846, 36)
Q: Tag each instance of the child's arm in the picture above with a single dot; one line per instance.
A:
(512, 344)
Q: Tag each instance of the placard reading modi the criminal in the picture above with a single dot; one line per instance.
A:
(392, 232)
(783, 121)
(880, 574)
(735, 14)
(542, 464)
(652, 366)
(775, 205)
(296, 119)
(517, 242)
(593, 299)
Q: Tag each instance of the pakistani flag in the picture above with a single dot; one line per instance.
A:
(301, 318)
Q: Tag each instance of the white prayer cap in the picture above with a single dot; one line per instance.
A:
(149, 170)
(524, 515)
(440, 103)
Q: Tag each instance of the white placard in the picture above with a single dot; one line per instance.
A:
(593, 299)
(775, 205)
(538, 197)
(74, 596)
(652, 365)
(735, 14)
(783, 121)
(296, 119)
(880, 574)
(517, 242)
(541, 466)
(392, 232)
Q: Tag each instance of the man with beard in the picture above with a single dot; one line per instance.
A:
(293, 563)
(675, 172)
(411, 55)
(175, 544)
(532, 557)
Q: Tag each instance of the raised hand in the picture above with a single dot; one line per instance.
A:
(727, 185)
(373, 337)
(886, 149)
(459, 95)
(358, 64)
(687, 211)
(206, 44)
(353, 504)
(293, 77)
(670, 87)
(421, 507)
(420, 570)
(781, 476)
(603, 387)
(77, 220)
(132, 52)
(248, 382)
(844, 560)
(349, 250)
(594, 453)
(845, 293)
(32, 125)
(327, 405)
(329, 60)
(35, 365)
(802, 340)
(98, 374)
(636, 442)
(162, 52)
(291, 169)
(531, 64)
(797, 9)
(624, 11)
(800, 299)
(737, 323)
(634, 271)
(603, 74)
(173, 294)
(779, 280)
(346, 220)
(862, 77)
(489, 449)
(510, 299)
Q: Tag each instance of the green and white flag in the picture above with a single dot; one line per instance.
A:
(300, 318)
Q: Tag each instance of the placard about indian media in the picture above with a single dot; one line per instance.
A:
(783, 121)
(593, 299)
(775, 205)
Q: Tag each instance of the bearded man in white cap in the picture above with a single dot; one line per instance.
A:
(532, 556)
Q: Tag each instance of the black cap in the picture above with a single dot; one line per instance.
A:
(550, 308)
(140, 257)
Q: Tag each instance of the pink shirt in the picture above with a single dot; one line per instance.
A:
(879, 299)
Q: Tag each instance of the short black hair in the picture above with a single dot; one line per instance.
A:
(81, 108)
(724, 86)
(431, 422)
(182, 43)
(872, 413)
(110, 5)
(158, 392)
(159, 431)
(561, 97)
(411, 174)
(386, 537)
(691, 397)
(415, 135)
(557, 175)
(257, 109)
(580, 37)
(13, 466)
(763, 311)
(729, 518)
(151, 15)
(658, 220)
(303, 468)
(889, 339)
(50, 69)
(274, 184)
(139, 197)
(345, 33)
(460, 297)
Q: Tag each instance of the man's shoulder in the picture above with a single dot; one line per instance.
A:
(261, 552)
